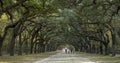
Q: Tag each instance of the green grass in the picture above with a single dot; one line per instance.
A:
(25, 58)
(101, 58)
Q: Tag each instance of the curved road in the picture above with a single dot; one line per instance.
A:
(65, 58)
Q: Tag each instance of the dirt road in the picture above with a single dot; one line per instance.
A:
(65, 58)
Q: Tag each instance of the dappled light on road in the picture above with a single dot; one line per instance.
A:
(65, 58)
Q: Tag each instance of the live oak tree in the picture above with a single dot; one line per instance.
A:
(43, 25)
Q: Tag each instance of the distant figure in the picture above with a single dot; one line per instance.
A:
(73, 51)
(66, 50)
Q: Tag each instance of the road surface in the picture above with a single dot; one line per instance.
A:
(65, 58)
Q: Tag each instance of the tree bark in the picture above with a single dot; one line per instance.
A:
(32, 44)
(12, 44)
(90, 49)
(26, 47)
(20, 45)
(31, 49)
(35, 48)
(38, 48)
(93, 48)
(1, 42)
(3, 37)
(113, 49)
(101, 48)
(46, 48)
(106, 49)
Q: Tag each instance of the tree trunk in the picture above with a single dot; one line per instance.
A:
(90, 49)
(1, 42)
(26, 47)
(38, 48)
(101, 48)
(32, 44)
(20, 46)
(12, 44)
(93, 48)
(2, 38)
(46, 48)
(113, 49)
(106, 49)
(50, 47)
(31, 49)
(35, 48)
(10, 26)
(42, 48)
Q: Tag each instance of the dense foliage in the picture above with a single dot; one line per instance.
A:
(35, 26)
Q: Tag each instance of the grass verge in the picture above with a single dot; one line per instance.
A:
(25, 58)
(101, 58)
